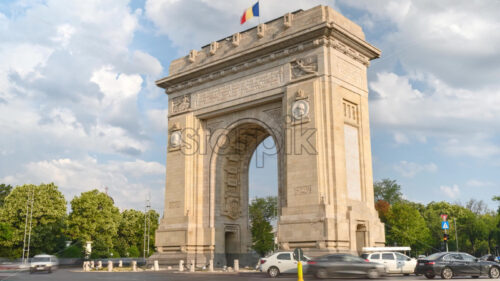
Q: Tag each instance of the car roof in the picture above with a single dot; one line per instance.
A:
(44, 256)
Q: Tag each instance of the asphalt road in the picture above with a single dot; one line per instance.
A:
(75, 275)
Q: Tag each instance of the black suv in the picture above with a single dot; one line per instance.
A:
(450, 264)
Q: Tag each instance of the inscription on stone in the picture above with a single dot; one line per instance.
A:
(239, 88)
(174, 204)
(302, 190)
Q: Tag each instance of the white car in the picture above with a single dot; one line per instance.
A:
(394, 262)
(43, 263)
(280, 263)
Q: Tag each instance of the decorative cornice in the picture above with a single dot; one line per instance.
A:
(242, 66)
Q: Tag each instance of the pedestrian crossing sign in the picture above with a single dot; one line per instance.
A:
(445, 225)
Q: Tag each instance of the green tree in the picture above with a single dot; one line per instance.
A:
(131, 232)
(497, 198)
(4, 191)
(407, 227)
(95, 218)
(49, 214)
(387, 190)
(262, 211)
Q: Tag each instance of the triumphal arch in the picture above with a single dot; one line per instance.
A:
(300, 79)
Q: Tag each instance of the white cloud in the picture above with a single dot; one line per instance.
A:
(116, 86)
(451, 192)
(199, 22)
(401, 138)
(410, 169)
(158, 117)
(64, 33)
(478, 183)
(128, 181)
(145, 63)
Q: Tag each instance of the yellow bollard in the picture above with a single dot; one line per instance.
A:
(300, 276)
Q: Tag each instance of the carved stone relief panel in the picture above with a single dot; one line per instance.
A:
(232, 186)
(181, 104)
(304, 66)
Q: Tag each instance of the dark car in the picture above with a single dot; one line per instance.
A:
(452, 264)
(344, 265)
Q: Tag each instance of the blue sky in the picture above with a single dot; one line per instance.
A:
(79, 107)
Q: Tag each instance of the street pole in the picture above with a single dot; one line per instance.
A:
(446, 241)
(456, 233)
(31, 222)
(26, 224)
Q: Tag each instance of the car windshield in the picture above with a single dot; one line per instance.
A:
(40, 259)
(434, 256)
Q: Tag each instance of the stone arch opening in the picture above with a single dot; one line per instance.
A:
(232, 157)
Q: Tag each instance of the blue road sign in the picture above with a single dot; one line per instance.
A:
(445, 225)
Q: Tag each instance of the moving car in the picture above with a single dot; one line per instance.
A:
(344, 265)
(281, 263)
(44, 263)
(452, 264)
(394, 262)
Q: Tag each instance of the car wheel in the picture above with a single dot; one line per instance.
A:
(475, 276)
(429, 276)
(273, 272)
(406, 274)
(321, 273)
(50, 270)
(31, 271)
(494, 272)
(446, 273)
(373, 274)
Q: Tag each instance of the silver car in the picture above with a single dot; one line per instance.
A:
(47, 263)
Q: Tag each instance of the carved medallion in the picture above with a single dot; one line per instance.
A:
(300, 109)
(304, 66)
(233, 209)
(175, 139)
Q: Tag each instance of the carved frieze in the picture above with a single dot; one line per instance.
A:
(232, 186)
(304, 66)
(243, 87)
(181, 104)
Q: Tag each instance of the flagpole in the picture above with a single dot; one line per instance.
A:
(258, 3)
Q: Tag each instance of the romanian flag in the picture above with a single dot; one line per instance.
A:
(250, 13)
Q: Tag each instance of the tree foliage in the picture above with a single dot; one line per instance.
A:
(387, 190)
(48, 220)
(95, 218)
(4, 191)
(131, 232)
(261, 212)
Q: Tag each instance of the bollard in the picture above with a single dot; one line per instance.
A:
(110, 266)
(300, 276)
(192, 266)
(211, 266)
(134, 266)
(156, 267)
(181, 265)
(120, 263)
(99, 264)
(236, 265)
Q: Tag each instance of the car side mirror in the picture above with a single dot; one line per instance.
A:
(408, 259)
(476, 259)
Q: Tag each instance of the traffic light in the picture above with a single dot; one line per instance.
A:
(445, 237)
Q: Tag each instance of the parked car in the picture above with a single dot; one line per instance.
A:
(43, 263)
(344, 265)
(394, 262)
(452, 264)
(280, 263)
